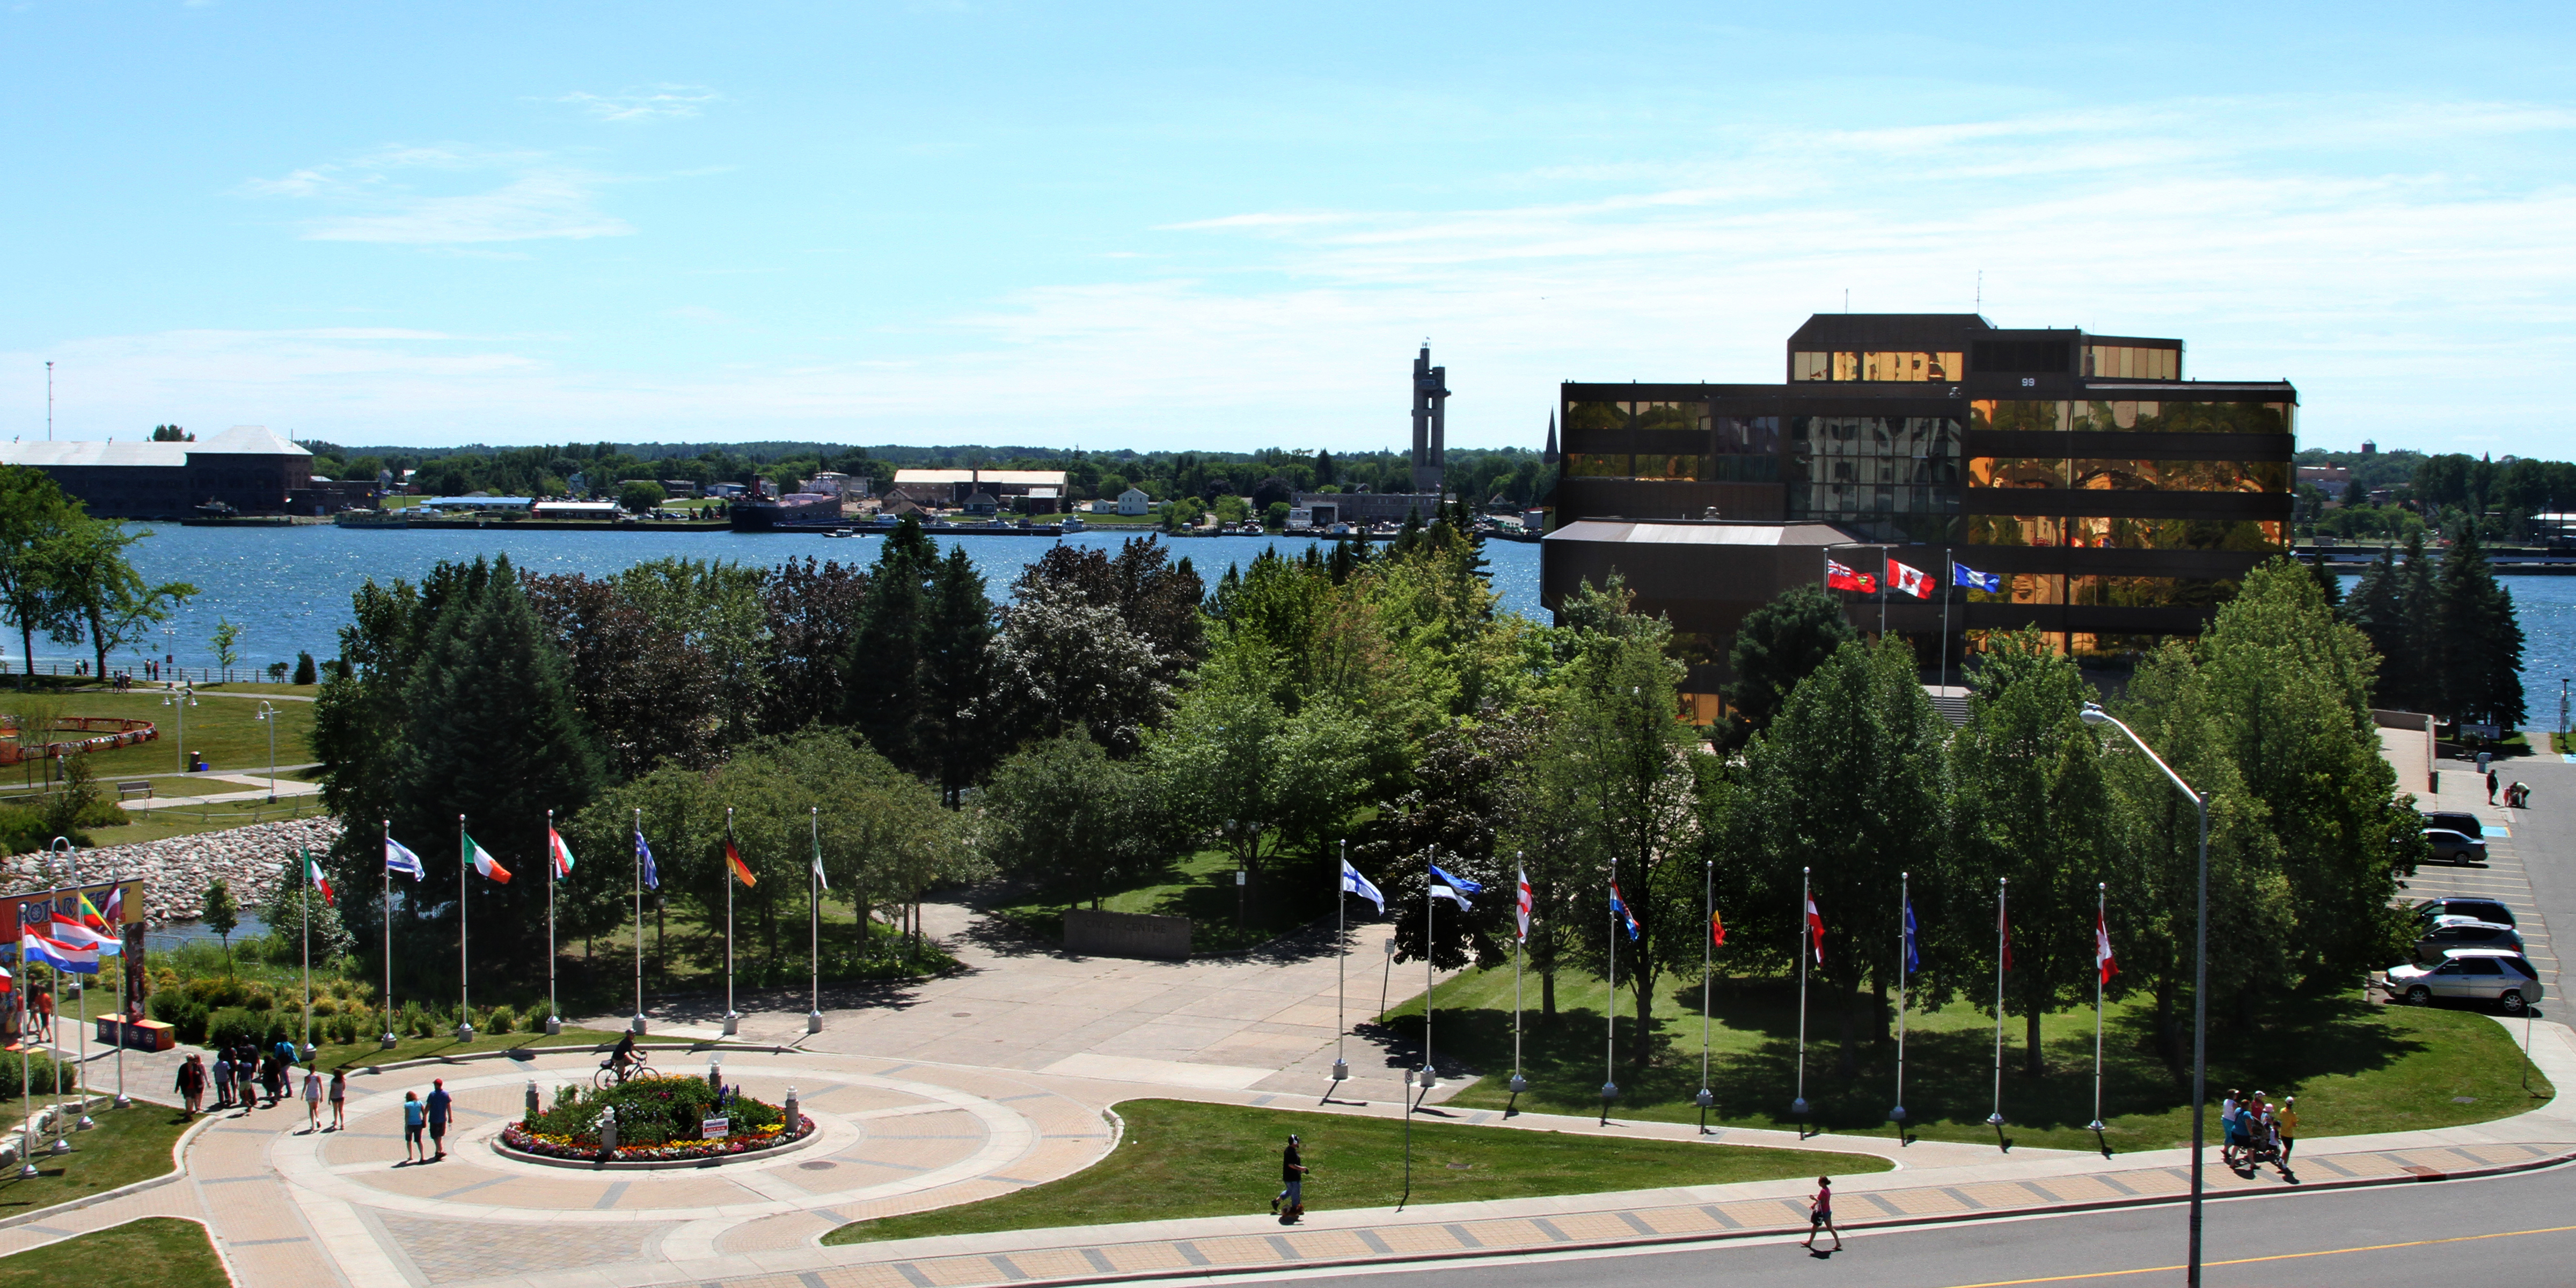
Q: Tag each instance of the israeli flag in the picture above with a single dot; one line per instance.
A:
(399, 858)
(1963, 575)
(1354, 883)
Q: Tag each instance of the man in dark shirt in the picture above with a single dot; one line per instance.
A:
(1292, 1171)
(439, 1103)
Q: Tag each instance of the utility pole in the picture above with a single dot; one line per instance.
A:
(49, 401)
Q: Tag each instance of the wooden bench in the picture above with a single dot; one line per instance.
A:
(128, 791)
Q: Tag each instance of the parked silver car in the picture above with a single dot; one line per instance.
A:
(2455, 847)
(2496, 975)
(2460, 932)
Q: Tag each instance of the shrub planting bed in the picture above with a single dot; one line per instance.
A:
(658, 1120)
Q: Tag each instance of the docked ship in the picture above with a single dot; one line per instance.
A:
(796, 510)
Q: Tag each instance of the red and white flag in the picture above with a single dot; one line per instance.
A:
(558, 854)
(1816, 929)
(1840, 576)
(313, 873)
(1913, 581)
(1521, 904)
(2102, 959)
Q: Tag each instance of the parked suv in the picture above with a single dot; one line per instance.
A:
(2464, 824)
(2488, 910)
(2459, 932)
(2505, 978)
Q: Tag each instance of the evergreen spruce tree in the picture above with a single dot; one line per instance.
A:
(2418, 658)
(1778, 645)
(2481, 641)
(957, 674)
(883, 692)
(2377, 611)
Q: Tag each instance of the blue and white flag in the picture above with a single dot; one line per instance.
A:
(1913, 960)
(1963, 575)
(399, 858)
(1462, 884)
(1354, 883)
(644, 855)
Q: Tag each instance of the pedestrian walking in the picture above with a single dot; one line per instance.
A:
(1820, 1214)
(313, 1100)
(2288, 1121)
(2491, 784)
(192, 1084)
(414, 1116)
(339, 1100)
(1292, 1172)
(439, 1105)
(223, 1078)
(2227, 1129)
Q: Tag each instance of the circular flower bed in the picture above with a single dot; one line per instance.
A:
(658, 1120)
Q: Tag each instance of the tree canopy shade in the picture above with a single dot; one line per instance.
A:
(36, 525)
(1780, 644)
(1065, 816)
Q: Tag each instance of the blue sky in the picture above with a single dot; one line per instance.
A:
(1229, 226)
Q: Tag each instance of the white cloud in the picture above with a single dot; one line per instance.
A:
(376, 197)
(660, 103)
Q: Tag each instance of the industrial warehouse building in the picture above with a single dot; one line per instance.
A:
(245, 467)
(2117, 501)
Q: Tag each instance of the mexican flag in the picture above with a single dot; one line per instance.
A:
(485, 863)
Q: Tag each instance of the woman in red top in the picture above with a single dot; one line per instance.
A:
(1820, 1215)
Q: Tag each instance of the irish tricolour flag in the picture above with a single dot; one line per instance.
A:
(485, 863)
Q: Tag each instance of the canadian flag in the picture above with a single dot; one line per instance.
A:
(1913, 581)
(2102, 949)
(1840, 576)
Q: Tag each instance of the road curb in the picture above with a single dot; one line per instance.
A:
(1727, 1236)
(568, 1048)
(178, 1172)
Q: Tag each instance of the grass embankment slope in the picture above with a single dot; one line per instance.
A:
(154, 1252)
(2355, 1067)
(1200, 887)
(128, 1145)
(1186, 1159)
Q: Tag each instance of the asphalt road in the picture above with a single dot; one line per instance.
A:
(2544, 837)
(2515, 1231)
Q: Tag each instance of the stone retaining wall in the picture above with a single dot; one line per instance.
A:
(1127, 934)
(176, 872)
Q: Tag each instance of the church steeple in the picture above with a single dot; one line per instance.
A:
(1548, 457)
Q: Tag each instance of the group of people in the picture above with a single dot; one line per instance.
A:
(2252, 1129)
(431, 1114)
(242, 1072)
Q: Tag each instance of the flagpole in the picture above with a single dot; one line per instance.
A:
(814, 921)
(1341, 971)
(123, 1009)
(638, 1026)
(1610, 1007)
(552, 876)
(464, 984)
(1904, 977)
(1430, 972)
(1520, 950)
(388, 1040)
(304, 911)
(1798, 1106)
(26, 1047)
(2002, 941)
(1949, 583)
(71, 859)
(732, 1017)
(1707, 961)
(2101, 909)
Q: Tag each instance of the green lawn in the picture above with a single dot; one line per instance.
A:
(189, 820)
(360, 1055)
(226, 731)
(1185, 1159)
(2355, 1067)
(1201, 888)
(127, 1145)
(154, 1252)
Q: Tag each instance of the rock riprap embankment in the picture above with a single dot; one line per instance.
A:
(176, 872)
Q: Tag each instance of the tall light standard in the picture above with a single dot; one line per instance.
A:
(2095, 715)
(268, 716)
(182, 698)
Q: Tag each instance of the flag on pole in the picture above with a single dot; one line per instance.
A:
(34, 947)
(1963, 575)
(2003, 933)
(1619, 909)
(69, 931)
(1716, 930)
(313, 874)
(115, 915)
(741, 870)
(484, 862)
(558, 854)
(1912, 581)
(819, 878)
(2102, 960)
(1815, 929)
(1354, 883)
(644, 855)
(399, 858)
(1522, 903)
(1840, 576)
(1913, 958)
(90, 915)
(1461, 883)
(5, 985)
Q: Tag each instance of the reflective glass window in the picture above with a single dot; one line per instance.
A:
(2096, 533)
(1909, 366)
(2024, 588)
(2183, 476)
(2150, 592)
(1748, 436)
(2019, 415)
(1692, 416)
(1593, 418)
(1612, 465)
(1846, 366)
(2183, 417)
(2015, 530)
(1657, 465)
(1740, 469)
(1811, 365)
(2016, 471)
(2132, 362)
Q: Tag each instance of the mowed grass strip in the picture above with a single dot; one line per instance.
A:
(154, 1252)
(1185, 1159)
(128, 1145)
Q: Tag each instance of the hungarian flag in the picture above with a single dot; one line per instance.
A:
(1522, 903)
(1716, 930)
(2102, 949)
(741, 870)
(558, 854)
(1913, 581)
(1816, 929)
(1842, 577)
(485, 863)
(1619, 909)
(313, 873)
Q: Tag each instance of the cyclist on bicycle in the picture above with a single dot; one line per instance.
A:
(623, 1058)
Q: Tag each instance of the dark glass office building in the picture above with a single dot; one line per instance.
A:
(2117, 500)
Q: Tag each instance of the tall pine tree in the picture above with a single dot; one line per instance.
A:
(957, 675)
(2481, 641)
(883, 690)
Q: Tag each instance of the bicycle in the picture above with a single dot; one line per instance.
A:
(609, 1075)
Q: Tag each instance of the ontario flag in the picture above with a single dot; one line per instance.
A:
(484, 862)
(558, 854)
(313, 874)
(1815, 929)
(2102, 960)
(1840, 576)
(741, 870)
(1913, 581)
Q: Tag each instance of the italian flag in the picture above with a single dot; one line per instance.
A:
(558, 853)
(313, 875)
(485, 863)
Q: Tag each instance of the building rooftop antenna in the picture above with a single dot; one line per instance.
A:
(1981, 290)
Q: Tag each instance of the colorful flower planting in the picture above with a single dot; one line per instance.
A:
(657, 1120)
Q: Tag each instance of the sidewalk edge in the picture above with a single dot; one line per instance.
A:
(178, 1171)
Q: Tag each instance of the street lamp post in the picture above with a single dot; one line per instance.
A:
(268, 716)
(183, 697)
(2095, 715)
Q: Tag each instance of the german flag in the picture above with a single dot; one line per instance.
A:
(741, 870)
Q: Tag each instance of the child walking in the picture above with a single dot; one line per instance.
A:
(1820, 1214)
